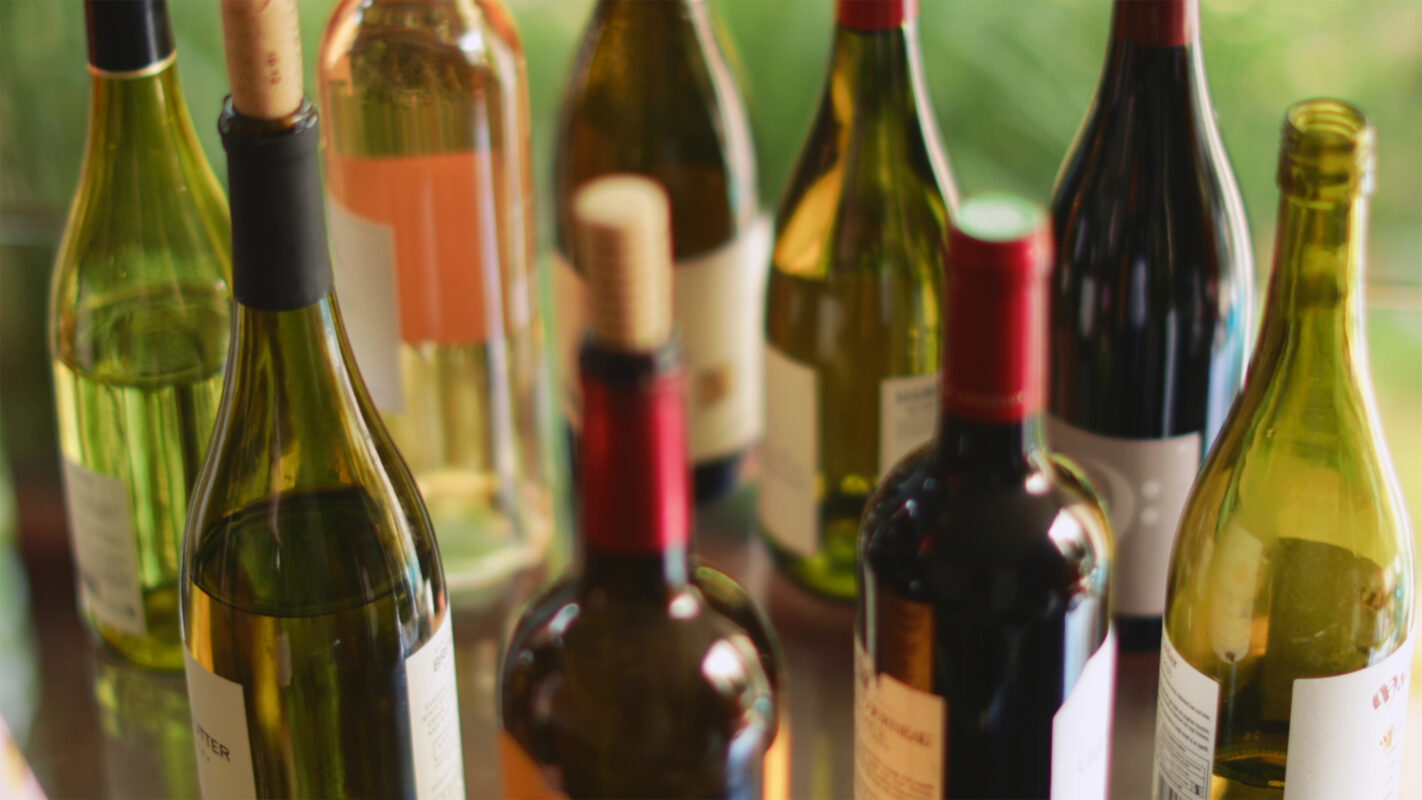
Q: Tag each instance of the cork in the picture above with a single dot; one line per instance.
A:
(263, 44)
(622, 227)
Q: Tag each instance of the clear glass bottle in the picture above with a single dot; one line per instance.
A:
(429, 173)
(140, 313)
(1288, 622)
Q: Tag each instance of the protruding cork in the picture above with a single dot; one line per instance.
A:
(263, 43)
(623, 246)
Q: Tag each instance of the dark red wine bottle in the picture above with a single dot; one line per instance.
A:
(627, 678)
(984, 658)
(1150, 295)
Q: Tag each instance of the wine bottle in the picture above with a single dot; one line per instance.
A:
(146, 727)
(853, 322)
(984, 655)
(320, 659)
(139, 318)
(651, 92)
(1288, 619)
(430, 207)
(622, 680)
(1150, 296)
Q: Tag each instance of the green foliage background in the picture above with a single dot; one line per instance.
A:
(1010, 79)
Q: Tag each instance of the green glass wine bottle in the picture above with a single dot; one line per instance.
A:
(651, 92)
(139, 321)
(853, 319)
(1288, 618)
(320, 657)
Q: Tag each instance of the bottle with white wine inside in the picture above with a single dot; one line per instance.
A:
(320, 657)
(1288, 622)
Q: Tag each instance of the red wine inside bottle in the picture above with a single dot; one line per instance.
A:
(983, 646)
(1150, 295)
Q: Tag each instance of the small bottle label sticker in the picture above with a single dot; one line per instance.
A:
(789, 454)
(1187, 716)
(898, 736)
(1345, 732)
(908, 412)
(434, 717)
(224, 753)
(1081, 729)
(1145, 484)
(105, 547)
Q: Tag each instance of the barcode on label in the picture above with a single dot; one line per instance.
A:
(1164, 791)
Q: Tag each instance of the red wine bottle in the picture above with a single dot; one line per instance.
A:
(1150, 295)
(625, 679)
(984, 657)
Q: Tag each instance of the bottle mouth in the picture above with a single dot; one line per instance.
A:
(1328, 151)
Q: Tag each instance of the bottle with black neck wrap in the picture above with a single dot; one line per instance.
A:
(315, 615)
(624, 680)
(984, 658)
(651, 92)
(1288, 623)
(853, 321)
(1150, 295)
(139, 321)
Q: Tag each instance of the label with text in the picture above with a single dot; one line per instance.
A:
(105, 548)
(1144, 484)
(1081, 729)
(434, 717)
(899, 736)
(1187, 717)
(1345, 732)
(908, 412)
(224, 753)
(786, 499)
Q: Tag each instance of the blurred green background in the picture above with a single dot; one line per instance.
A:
(1010, 80)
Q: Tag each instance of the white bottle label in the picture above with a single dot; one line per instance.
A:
(1187, 713)
(434, 717)
(718, 305)
(1144, 483)
(105, 548)
(224, 753)
(1081, 729)
(908, 411)
(364, 256)
(898, 736)
(1345, 732)
(790, 459)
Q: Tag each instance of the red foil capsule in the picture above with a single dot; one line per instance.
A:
(875, 15)
(1157, 23)
(996, 312)
(636, 496)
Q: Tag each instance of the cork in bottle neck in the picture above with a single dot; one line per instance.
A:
(623, 247)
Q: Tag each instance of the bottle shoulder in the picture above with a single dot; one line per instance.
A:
(935, 533)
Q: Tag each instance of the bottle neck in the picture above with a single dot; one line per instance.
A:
(135, 113)
(876, 76)
(280, 257)
(1315, 303)
(1156, 23)
(636, 498)
(1155, 59)
(128, 38)
(994, 361)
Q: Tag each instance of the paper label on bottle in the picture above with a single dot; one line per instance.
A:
(1081, 729)
(908, 412)
(1144, 483)
(718, 306)
(899, 736)
(786, 500)
(434, 717)
(224, 753)
(1187, 716)
(1345, 732)
(105, 547)
(364, 255)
